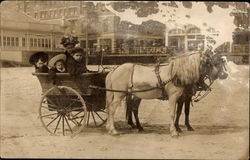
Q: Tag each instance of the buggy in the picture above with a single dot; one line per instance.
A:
(68, 104)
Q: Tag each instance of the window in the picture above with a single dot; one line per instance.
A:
(12, 41)
(31, 42)
(46, 14)
(55, 13)
(46, 43)
(39, 42)
(191, 36)
(23, 42)
(51, 15)
(194, 30)
(4, 41)
(65, 12)
(17, 41)
(41, 14)
(36, 15)
(75, 11)
(49, 43)
(8, 41)
(61, 12)
(35, 42)
(42, 42)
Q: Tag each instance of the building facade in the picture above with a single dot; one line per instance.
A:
(21, 35)
(95, 26)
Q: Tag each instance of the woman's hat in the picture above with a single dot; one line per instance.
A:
(56, 58)
(38, 55)
(69, 40)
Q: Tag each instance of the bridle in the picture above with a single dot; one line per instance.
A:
(208, 66)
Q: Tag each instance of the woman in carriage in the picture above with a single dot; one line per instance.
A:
(39, 60)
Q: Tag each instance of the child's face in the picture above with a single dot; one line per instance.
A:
(60, 66)
(77, 57)
(40, 63)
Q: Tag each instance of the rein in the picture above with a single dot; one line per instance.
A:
(199, 96)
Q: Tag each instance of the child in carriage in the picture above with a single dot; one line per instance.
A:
(39, 60)
(57, 64)
(76, 62)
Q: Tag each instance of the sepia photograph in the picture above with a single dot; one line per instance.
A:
(124, 79)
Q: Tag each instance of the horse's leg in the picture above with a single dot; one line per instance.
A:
(129, 102)
(112, 108)
(172, 110)
(130, 119)
(187, 110)
(135, 111)
(178, 113)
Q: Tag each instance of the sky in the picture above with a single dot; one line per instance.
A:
(219, 19)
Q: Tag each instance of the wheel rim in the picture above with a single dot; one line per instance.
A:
(62, 111)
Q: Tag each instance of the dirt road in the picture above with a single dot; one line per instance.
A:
(221, 123)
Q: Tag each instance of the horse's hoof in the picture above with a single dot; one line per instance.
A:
(113, 132)
(140, 130)
(174, 134)
(190, 128)
(179, 130)
(133, 126)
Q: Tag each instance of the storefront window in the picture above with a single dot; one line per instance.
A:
(12, 41)
(8, 41)
(31, 42)
(35, 42)
(17, 41)
(23, 42)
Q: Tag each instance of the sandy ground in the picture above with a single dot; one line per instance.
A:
(221, 123)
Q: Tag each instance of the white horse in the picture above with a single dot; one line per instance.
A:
(166, 81)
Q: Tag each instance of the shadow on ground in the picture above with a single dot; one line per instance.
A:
(164, 129)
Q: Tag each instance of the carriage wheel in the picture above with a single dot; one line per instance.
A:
(63, 111)
(96, 118)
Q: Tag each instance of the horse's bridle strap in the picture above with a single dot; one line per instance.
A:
(161, 84)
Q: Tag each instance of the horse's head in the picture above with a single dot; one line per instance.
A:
(213, 66)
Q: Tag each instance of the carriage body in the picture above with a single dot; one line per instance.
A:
(67, 99)
(94, 99)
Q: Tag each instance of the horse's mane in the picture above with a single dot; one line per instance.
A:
(186, 67)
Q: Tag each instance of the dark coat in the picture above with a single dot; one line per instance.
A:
(44, 69)
(74, 67)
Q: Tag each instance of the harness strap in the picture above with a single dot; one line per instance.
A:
(131, 80)
(161, 84)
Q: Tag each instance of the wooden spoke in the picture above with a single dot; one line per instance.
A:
(68, 124)
(63, 124)
(75, 109)
(81, 119)
(52, 120)
(52, 109)
(99, 116)
(49, 115)
(76, 114)
(57, 124)
(51, 102)
(93, 117)
(88, 119)
(70, 104)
